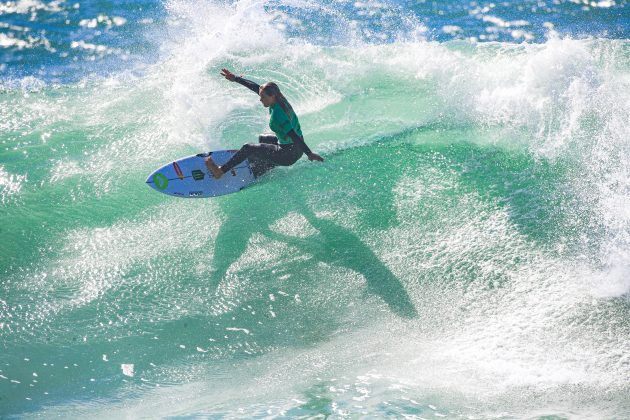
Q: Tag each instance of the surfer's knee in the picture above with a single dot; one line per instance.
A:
(249, 147)
(268, 139)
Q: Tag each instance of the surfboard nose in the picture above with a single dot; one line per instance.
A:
(151, 179)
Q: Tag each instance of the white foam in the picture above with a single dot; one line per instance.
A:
(10, 185)
(103, 20)
(451, 29)
(127, 369)
(102, 49)
(30, 6)
(7, 41)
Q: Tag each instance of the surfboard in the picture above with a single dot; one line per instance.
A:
(189, 177)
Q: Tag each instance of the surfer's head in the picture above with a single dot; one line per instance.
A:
(270, 94)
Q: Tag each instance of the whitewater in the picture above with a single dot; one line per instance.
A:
(461, 253)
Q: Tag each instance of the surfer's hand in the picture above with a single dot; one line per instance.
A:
(315, 156)
(228, 75)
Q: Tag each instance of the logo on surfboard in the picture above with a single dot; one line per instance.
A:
(160, 181)
(198, 175)
(178, 171)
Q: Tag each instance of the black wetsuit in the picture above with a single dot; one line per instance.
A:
(268, 152)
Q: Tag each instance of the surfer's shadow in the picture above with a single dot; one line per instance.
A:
(330, 243)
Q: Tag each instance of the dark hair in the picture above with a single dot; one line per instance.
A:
(272, 89)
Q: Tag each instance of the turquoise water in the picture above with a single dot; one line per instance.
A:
(461, 253)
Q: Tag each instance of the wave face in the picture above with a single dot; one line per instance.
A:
(463, 251)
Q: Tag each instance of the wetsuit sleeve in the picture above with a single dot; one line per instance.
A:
(255, 87)
(299, 141)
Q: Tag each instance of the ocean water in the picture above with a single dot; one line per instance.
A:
(461, 253)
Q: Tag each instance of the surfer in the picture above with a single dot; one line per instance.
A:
(282, 149)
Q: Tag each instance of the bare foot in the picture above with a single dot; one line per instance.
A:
(213, 168)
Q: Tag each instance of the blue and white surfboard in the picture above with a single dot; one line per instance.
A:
(189, 178)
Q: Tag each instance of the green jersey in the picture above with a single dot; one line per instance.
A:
(281, 124)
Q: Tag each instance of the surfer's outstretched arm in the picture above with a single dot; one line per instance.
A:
(299, 142)
(253, 86)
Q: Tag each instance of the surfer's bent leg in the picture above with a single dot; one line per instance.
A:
(262, 151)
(261, 166)
(270, 153)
